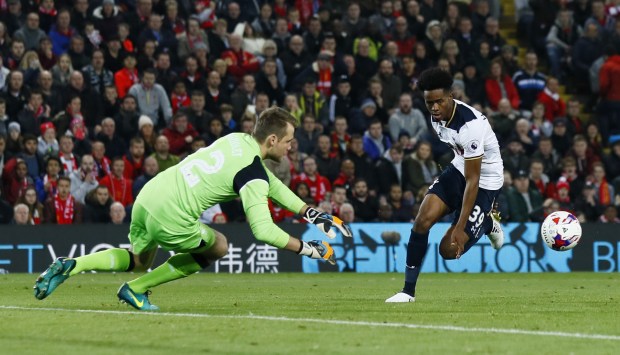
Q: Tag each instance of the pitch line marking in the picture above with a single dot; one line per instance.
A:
(331, 321)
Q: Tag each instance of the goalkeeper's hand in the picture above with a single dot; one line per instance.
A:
(325, 221)
(318, 249)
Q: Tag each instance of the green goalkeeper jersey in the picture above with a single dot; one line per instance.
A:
(230, 167)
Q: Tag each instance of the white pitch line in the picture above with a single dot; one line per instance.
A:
(332, 321)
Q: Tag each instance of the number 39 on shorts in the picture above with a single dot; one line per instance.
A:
(476, 217)
(204, 166)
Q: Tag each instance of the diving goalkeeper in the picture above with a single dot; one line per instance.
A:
(167, 209)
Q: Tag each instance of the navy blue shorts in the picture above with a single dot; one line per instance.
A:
(450, 187)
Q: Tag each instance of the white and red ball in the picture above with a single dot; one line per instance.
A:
(561, 231)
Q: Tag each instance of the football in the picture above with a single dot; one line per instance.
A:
(561, 231)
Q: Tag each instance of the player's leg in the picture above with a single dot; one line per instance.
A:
(115, 259)
(183, 264)
(197, 247)
(481, 221)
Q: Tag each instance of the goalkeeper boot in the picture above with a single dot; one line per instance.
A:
(139, 301)
(51, 278)
(400, 297)
(496, 235)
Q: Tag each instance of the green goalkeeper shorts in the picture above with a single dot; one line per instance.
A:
(174, 234)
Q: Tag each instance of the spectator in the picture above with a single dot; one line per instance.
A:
(150, 170)
(312, 102)
(96, 74)
(550, 97)
(365, 206)
(524, 134)
(307, 135)
(127, 76)
(127, 118)
(419, 168)
(295, 59)
(401, 206)
(47, 144)
(529, 81)
(15, 179)
(268, 83)
(338, 197)
(503, 120)
(34, 114)
(318, 184)
(610, 215)
(583, 155)
(111, 102)
(561, 38)
(281, 170)
(541, 127)
(492, 35)
(340, 139)
(117, 213)
(347, 213)
(239, 61)
(98, 202)
(408, 119)
(19, 214)
(152, 99)
(51, 95)
(525, 204)
(537, 177)
(164, 38)
(376, 144)
(585, 51)
(15, 93)
(180, 135)
(244, 95)
(35, 208)
(120, 187)
(346, 176)
(294, 155)
(30, 33)
(212, 97)
(214, 131)
(162, 154)
(107, 18)
(84, 179)
(514, 157)
(474, 85)
(498, 85)
(605, 191)
(31, 157)
(46, 185)
(560, 138)
(389, 169)
(328, 162)
(102, 162)
(115, 146)
(134, 159)
(61, 32)
(92, 107)
(14, 141)
(62, 208)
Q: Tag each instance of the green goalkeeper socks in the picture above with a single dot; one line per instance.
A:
(177, 267)
(106, 260)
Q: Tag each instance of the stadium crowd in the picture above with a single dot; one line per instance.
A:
(97, 97)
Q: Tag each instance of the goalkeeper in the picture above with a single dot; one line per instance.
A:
(166, 213)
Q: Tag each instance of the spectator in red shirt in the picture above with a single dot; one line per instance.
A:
(550, 97)
(494, 84)
(117, 184)
(134, 159)
(180, 134)
(127, 76)
(239, 61)
(62, 208)
(319, 185)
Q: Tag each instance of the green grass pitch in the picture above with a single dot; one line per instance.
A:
(318, 313)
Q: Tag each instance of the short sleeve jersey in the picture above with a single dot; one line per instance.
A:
(231, 167)
(470, 136)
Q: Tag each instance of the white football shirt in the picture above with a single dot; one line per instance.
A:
(470, 136)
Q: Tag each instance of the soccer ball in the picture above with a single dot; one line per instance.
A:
(561, 231)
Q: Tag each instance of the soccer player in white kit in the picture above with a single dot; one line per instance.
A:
(469, 185)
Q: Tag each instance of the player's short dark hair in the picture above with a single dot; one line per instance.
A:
(435, 78)
(273, 120)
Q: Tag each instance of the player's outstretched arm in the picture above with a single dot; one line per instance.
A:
(314, 249)
(325, 222)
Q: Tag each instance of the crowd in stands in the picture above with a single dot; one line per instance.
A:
(97, 97)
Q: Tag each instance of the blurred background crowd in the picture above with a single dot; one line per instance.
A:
(97, 97)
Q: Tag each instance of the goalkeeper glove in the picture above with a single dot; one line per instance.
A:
(318, 249)
(324, 223)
